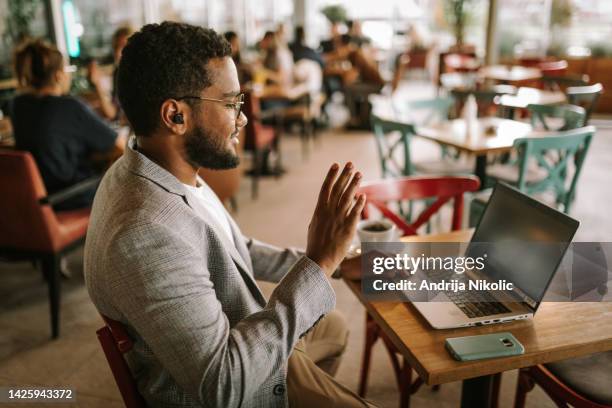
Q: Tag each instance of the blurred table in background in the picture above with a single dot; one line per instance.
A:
(509, 74)
(486, 135)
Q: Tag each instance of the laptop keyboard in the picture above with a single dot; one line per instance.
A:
(472, 304)
(477, 305)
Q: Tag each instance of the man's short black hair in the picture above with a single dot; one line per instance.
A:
(162, 61)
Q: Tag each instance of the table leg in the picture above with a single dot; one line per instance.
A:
(477, 392)
(481, 170)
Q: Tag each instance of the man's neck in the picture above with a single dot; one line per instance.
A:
(161, 150)
(52, 90)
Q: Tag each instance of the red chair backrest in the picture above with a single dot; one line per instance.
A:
(531, 62)
(461, 63)
(25, 224)
(555, 68)
(115, 342)
(379, 193)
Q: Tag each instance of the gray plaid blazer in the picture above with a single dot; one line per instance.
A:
(204, 334)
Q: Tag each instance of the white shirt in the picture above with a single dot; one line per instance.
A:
(213, 205)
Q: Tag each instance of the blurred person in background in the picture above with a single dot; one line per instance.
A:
(359, 76)
(356, 33)
(60, 131)
(278, 60)
(266, 42)
(300, 50)
(245, 71)
(281, 33)
(119, 40)
(329, 45)
(234, 41)
(105, 98)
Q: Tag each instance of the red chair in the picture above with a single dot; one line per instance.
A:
(115, 342)
(553, 68)
(561, 393)
(531, 62)
(260, 139)
(29, 227)
(378, 194)
(461, 63)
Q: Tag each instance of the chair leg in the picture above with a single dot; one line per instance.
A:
(371, 335)
(523, 386)
(495, 392)
(51, 269)
(255, 175)
(304, 135)
(406, 385)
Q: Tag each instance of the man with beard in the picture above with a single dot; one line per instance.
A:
(164, 257)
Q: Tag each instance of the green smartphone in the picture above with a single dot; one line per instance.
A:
(484, 346)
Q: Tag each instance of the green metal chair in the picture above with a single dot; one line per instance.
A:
(388, 145)
(485, 98)
(393, 140)
(436, 108)
(573, 116)
(570, 146)
(585, 96)
(561, 82)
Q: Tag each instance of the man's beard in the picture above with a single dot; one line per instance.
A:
(204, 151)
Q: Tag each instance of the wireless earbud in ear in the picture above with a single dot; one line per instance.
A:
(178, 118)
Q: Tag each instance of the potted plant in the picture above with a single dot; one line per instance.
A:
(335, 13)
(458, 17)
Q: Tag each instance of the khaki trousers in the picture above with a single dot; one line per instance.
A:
(312, 364)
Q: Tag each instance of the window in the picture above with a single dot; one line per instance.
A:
(19, 19)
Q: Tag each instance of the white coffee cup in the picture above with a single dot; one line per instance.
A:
(376, 231)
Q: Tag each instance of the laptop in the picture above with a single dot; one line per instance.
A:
(509, 217)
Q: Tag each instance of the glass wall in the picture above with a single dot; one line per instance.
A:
(587, 28)
(20, 19)
(523, 28)
(96, 20)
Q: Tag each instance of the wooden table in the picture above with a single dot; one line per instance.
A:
(489, 135)
(527, 96)
(8, 84)
(557, 332)
(509, 74)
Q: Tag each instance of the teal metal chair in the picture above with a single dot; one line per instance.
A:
(389, 145)
(573, 116)
(570, 146)
(436, 108)
(561, 82)
(486, 99)
(585, 96)
(428, 111)
(393, 141)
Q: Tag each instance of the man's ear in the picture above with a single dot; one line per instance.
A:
(174, 116)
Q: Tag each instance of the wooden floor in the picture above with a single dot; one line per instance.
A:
(280, 216)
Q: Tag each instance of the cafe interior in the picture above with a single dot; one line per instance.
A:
(429, 99)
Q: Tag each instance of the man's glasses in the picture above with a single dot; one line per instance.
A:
(236, 105)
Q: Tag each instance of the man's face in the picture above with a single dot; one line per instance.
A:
(211, 142)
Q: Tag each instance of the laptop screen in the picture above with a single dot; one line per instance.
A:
(524, 241)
